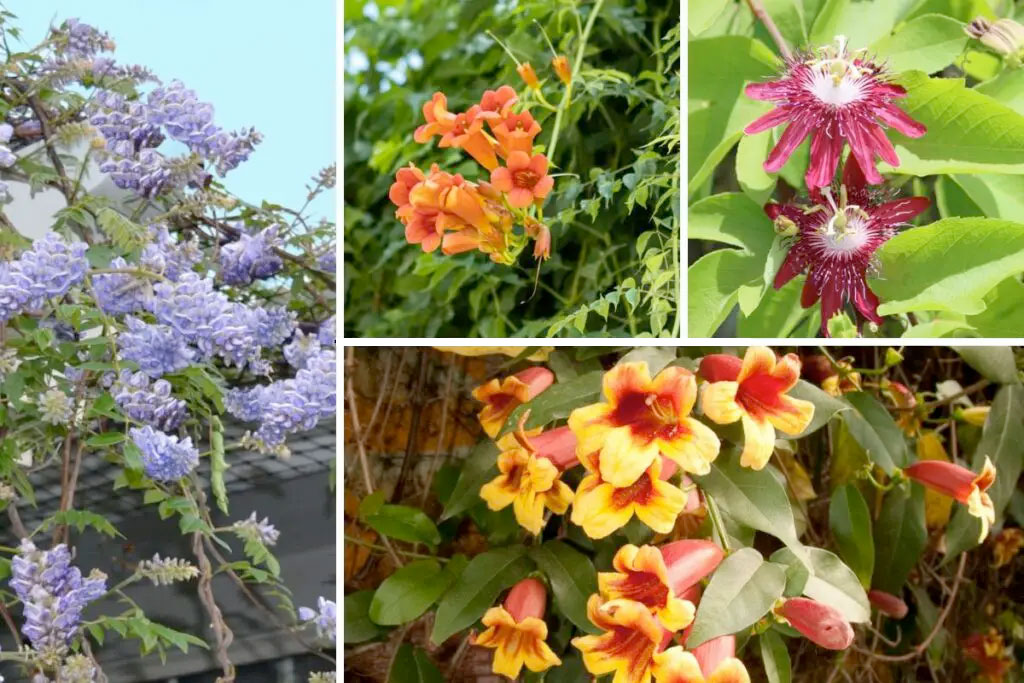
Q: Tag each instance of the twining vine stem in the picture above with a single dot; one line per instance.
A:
(762, 14)
(567, 97)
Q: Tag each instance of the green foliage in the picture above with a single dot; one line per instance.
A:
(614, 212)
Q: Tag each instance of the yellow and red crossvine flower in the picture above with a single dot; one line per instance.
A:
(642, 418)
(822, 624)
(754, 390)
(501, 397)
(632, 636)
(960, 484)
(523, 179)
(710, 662)
(516, 631)
(658, 577)
(988, 651)
(529, 481)
(1007, 544)
(601, 507)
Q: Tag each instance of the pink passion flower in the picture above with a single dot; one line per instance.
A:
(837, 97)
(836, 240)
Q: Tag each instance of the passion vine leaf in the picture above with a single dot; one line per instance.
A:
(927, 43)
(573, 579)
(483, 579)
(714, 284)
(968, 132)
(741, 591)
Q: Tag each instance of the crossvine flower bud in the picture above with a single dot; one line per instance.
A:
(820, 623)
(961, 484)
(887, 603)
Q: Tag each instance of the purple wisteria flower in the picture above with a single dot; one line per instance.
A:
(250, 257)
(168, 257)
(119, 293)
(260, 530)
(328, 261)
(301, 349)
(148, 173)
(83, 41)
(289, 405)
(150, 403)
(164, 457)
(325, 617)
(271, 327)
(53, 594)
(47, 270)
(328, 332)
(157, 349)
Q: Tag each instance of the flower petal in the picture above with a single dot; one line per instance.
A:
(694, 449)
(758, 442)
(718, 400)
(624, 457)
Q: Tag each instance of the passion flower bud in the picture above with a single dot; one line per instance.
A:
(1004, 36)
(528, 75)
(688, 561)
(561, 66)
(960, 484)
(821, 624)
(887, 603)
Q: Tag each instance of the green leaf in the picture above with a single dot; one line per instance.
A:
(873, 428)
(996, 195)
(928, 43)
(731, 218)
(741, 591)
(1003, 315)
(995, 363)
(1007, 87)
(702, 13)
(1002, 440)
(570, 671)
(757, 184)
(406, 594)
(949, 265)
(962, 533)
(573, 579)
(775, 657)
(105, 439)
(862, 22)
(777, 315)
(900, 538)
(413, 665)
(968, 132)
(558, 401)
(953, 201)
(832, 583)
(404, 523)
(754, 498)
(850, 522)
(121, 231)
(718, 110)
(713, 285)
(483, 579)
(962, 10)
(79, 520)
(479, 468)
(825, 406)
(358, 626)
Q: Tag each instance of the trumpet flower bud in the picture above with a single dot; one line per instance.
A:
(821, 624)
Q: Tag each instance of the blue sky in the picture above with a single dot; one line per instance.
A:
(261, 63)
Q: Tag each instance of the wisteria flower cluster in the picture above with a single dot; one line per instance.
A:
(837, 97)
(53, 594)
(148, 402)
(47, 270)
(446, 210)
(324, 617)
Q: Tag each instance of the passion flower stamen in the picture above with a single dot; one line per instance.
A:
(834, 96)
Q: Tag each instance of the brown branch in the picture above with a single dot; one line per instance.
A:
(762, 14)
(414, 427)
(923, 646)
(222, 635)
